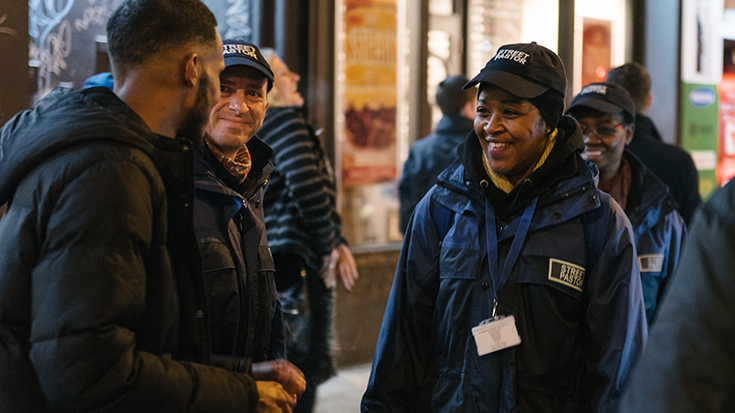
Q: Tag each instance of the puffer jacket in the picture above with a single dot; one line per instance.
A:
(579, 336)
(245, 314)
(659, 231)
(102, 306)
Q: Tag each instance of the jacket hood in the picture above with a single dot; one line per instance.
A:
(62, 119)
(564, 161)
(453, 123)
(648, 197)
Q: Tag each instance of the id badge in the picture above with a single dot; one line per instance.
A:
(495, 334)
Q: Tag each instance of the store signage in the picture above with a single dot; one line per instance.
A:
(702, 97)
(700, 131)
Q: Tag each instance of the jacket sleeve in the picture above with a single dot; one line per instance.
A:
(406, 191)
(401, 361)
(616, 318)
(689, 189)
(90, 289)
(298, 160)
(688, 363)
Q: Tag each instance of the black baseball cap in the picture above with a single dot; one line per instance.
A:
(606, 97)
(526, 70)
(240, 52)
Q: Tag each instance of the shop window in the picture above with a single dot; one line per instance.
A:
(493, 23)
(599, 40)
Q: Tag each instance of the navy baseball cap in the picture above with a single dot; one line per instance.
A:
(606, 97)
(526, 70)
(239, 52)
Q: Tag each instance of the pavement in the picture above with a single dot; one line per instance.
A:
(342, 393)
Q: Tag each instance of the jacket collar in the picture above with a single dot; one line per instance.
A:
(212, 176)
(453, 123)
(62, 119)
(647, 193)
(645, 129)
(569, 198)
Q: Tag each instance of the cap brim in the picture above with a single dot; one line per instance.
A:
(509, 82)
(590, 101)
(241, 61)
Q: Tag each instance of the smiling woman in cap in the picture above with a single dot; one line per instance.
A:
(517, 288)
(606, 114)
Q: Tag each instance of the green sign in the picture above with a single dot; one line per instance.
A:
(700, 131)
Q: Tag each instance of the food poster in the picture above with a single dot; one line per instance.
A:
(369, 149)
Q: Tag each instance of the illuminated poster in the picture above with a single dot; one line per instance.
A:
(701, 41)
(596, 50)
(726, 89)
(700, 131)
(369, 92)
(726, 161)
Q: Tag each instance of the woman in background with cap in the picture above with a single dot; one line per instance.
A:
(606, 114)
(517, 289)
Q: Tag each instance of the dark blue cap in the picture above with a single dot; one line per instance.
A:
(525, 70)
(605, 97)
(239, 52)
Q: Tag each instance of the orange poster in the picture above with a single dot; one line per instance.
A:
(370, 92)
(596, 50)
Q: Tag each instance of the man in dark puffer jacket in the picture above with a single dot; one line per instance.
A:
(101, 302)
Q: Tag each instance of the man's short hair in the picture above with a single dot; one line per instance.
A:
(635, 79)
(140, 29)
(450, 97)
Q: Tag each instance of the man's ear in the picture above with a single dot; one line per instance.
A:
(469, 110)
(191, 70)
(629, 131)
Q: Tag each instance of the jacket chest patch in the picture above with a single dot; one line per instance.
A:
(651, 262)
(566, 273)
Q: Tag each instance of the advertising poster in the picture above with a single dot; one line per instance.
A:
(700, 131)
(596, 50)
(369, 92)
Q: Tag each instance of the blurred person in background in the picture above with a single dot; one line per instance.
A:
(606, 114)
(432, 154)
(304, 232)
(517, 287)
(671, 164)
(689, 363)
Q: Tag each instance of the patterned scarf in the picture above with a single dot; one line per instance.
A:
(238, 167)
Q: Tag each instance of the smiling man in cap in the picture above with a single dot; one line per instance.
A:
(231, 171)
(517, 287)
(606, 114)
